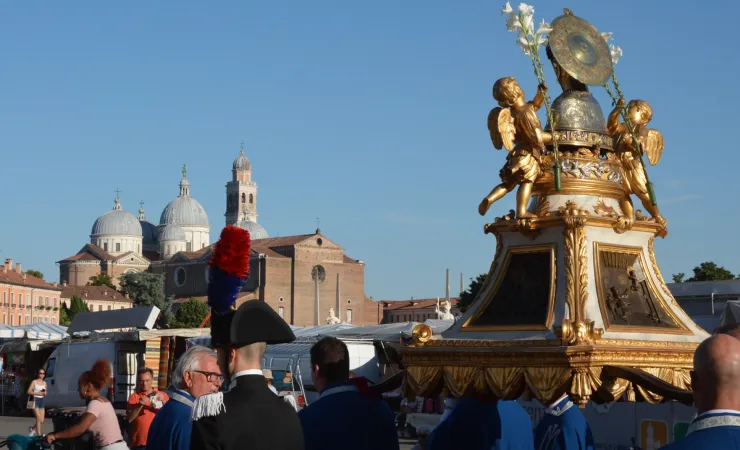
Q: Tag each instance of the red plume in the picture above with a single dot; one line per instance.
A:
(231, 252)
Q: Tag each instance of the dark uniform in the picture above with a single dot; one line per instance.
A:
(249, 415)
(252, 418)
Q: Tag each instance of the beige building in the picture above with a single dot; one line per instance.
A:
(97, 298)
(25, 298)
(419, 310)
(299, 276)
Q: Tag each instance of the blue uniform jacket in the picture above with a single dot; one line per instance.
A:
(476, 425)
(563, 428)
(171, 427)
(715, 430)
(342, 415)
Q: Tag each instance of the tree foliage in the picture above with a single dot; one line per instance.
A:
(190, 314)
(35, 273)
(102, 279)
(147, 289)
(678, 277)
(709, 271)
(467, 297)
(76, 306)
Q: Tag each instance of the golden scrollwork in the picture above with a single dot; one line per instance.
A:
(576, 260)
(656, 269)
(581, 332)
(603, 210)
(545, 383)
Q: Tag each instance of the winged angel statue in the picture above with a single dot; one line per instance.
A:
(515, 126)
(634, 180)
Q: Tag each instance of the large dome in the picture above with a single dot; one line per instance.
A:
(256, 231)
(116, 223)
(171, 232)
(241, 162)
(184, 211)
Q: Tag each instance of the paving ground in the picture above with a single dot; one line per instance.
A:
(19, 425)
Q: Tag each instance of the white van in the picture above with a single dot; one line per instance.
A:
(70, 359)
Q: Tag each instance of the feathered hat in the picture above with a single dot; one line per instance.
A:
(229, 269)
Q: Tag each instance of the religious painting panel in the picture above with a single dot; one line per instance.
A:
(628, 298)
(523, 294)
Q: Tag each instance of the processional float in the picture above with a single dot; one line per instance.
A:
(574, 301)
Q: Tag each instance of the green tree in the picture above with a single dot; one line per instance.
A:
(467, 297)
(35, 273)
(678, 277)
(76, 306)
(709, 271)
(147, 289)
(102, 279)
(190, 314)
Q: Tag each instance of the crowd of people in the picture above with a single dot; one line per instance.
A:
(199, 415)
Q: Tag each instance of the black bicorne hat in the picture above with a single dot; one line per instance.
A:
(255, 321)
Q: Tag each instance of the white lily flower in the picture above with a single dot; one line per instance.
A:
(523, 42)
(512, 23)
(526, 10)
(616, 53)
(527, 24)
(544, 28)
(607, 36)
(507, 9)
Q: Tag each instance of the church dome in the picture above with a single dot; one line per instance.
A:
(184, 210)
(256, 231)
(241, 162)
(171, 232)
(116, 223)
(148, 229)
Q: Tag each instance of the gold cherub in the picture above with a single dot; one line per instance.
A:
(634, 179)
(516, 127)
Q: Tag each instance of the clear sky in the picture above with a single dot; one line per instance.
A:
(369, 115)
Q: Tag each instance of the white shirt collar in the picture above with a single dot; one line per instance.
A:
(242, 373)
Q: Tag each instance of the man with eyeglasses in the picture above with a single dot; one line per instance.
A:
(196, 374)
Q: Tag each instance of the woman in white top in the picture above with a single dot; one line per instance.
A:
(38, 390)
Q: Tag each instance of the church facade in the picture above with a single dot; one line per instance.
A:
(300, 276)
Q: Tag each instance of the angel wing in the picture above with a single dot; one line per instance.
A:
(501, 127)
(653, 145)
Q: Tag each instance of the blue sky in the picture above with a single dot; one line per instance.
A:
(369, 115)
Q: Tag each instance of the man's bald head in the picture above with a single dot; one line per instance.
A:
(716, 376)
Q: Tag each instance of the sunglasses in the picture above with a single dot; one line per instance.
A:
(42, 373)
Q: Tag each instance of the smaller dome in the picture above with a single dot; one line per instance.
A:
(149, 231)
(116, 223)
(171, 232)
(241, 162)
(256, 231)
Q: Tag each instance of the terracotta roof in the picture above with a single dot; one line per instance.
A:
(284, 241)
(94, 253)
(95, 293)
(394, 305)
(23, 279)
(124, 255)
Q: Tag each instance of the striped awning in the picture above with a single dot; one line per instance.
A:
(44, 331)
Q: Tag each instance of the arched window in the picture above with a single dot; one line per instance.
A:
(244, 197)
(251, 199)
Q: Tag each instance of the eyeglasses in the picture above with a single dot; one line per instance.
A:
(42, 373)
(211, 377)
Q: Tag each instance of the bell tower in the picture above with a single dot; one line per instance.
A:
(241, 192)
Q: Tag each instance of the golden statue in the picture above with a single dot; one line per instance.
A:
(516, 127)
(634, 180)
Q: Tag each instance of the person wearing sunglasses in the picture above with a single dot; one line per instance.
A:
(37, 389)
(196, 374)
